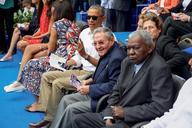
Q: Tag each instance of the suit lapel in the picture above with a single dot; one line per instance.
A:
(137, 76)
(103, 64)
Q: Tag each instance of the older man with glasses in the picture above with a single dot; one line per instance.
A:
(102, 82)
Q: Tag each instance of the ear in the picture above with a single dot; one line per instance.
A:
(103, 18)
(113, 39)
(160, 30)
(150, 50)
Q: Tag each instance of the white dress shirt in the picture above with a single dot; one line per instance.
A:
(87, 38)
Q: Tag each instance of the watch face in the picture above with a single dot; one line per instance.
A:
(75, 81)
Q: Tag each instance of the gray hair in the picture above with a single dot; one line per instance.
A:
(144, 35)
(107, 31)
(98, 7)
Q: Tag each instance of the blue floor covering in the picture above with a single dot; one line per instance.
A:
(12, 113)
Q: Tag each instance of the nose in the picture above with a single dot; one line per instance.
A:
(131, 51)
(96, 46)
(147, 29)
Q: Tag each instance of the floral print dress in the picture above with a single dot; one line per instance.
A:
(67, 35)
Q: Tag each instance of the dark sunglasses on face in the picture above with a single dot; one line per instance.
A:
(92, 17)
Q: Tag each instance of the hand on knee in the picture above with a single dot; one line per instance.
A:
(21, 45)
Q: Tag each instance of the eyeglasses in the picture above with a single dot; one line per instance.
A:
(92, 17)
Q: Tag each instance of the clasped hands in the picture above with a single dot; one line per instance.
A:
(183, 17)
(118, 113)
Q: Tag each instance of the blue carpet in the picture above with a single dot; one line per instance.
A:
(12, 113)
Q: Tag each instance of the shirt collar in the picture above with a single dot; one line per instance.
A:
(137, 67)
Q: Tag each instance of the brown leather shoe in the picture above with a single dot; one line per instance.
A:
(40, 124)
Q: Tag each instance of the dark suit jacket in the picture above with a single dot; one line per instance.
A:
(106, 74)
(179, 8)
(148, 95)
(175, 58)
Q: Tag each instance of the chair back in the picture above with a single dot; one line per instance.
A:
(178, 83)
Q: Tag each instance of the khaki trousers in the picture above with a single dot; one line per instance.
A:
(51, 89)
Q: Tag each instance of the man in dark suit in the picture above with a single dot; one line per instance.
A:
(102, 82)
(144, 89)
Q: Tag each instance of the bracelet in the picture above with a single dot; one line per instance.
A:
(40, 47)
(87, 57)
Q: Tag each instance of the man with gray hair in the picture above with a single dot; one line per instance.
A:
(144, 89)
(101, 83)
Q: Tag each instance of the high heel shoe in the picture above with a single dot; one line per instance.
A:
(14, 87)
(6, 59)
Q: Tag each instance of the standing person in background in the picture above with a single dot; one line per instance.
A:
(121, 13)
(77, 5)
(109, 13)
(93, 2)
(6, 23)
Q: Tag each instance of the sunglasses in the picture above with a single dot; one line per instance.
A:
(92, 17)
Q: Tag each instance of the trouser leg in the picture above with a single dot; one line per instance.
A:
(57, 90)
(68, 107)
(46, 86)
(87, 120)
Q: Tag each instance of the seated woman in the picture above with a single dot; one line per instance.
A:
(63, 38)
(167, 47)
(19, 32)
(44, 22)
(141, 18)
(180, 116)
(32, 51)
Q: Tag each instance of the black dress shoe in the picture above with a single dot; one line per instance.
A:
(40, 124)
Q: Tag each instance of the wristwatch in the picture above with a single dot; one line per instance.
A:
(87, 57)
